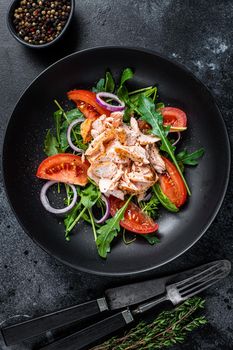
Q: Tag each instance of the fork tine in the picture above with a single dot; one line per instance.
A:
(215, 266)
(200, 290)
(197, 280)
(204, 284)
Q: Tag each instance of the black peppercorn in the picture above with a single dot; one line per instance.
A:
(40, 22)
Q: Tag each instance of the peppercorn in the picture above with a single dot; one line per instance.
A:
(42, 21)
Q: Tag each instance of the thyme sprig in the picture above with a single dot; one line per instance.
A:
(169, 328)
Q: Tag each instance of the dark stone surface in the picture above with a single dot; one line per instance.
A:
(195, 33)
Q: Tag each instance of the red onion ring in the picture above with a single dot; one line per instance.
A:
(107, 212)
(68, 135)
(45, 201)
(106, 105)
(178, 139)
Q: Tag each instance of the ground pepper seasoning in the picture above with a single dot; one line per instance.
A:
(40, 22)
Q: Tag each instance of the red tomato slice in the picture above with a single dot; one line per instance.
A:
(174, 117)
(172, 184)
(64, 167)
(134, 219)
(87, 104)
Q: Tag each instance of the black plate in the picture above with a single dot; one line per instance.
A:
(23, 151)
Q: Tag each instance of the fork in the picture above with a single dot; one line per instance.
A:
(176, 293)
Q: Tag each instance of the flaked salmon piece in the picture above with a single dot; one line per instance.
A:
(112, 155)
(105, 169)
(116, 193)
(103, 122)
(142, 186)
(142, 139)
(97, 145)
(85, 130)
(117, 119)
(135, 188)
(110, 184)
(129, 187)
(134, 126)
(141, 177)
(156, 159)
(145, 170)
(98, 126)
(92, 176)
(104, 185)
(131, 136)
(147, 139)
(135, 153)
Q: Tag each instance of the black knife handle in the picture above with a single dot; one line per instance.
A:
(93, 333)
(36, 326)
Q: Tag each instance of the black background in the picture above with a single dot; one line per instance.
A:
(195, 33)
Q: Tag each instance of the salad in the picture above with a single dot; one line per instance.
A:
(114, 151)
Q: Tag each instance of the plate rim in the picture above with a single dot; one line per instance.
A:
(214, 214)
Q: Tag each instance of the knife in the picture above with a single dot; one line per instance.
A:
(176, 293)
(115, 298)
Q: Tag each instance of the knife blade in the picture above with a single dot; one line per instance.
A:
(114, 298)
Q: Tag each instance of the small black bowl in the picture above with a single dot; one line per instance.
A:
(13, 32)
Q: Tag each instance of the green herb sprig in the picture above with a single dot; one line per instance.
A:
(109, 230)
(169, 328)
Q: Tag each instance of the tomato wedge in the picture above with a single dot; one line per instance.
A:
(87, 104)
(174, 117)
(134, 219)
(64, 167)
(172, 184)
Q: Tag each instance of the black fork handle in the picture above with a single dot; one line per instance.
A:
(93, 333)
(36, 326)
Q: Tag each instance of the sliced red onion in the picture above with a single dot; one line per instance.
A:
(177, 140)
(107, 211)
(68, 135)
(45, 201)
(108, 106)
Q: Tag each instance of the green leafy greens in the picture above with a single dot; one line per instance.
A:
(51, 145)
(88, 197)
(148, 113)
(163, 199)
(150, 207)
(109, 230)
(106, 84)
(190, 158)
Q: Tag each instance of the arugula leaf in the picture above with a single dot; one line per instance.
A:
(57, 118)
(148, 113)
(89, 195)
(109, 83)
(99, 86)
(109, 230)
(164, 200)
(151, 238)
(105, 84)
(51, 145)
(70, 218)
(150, 207)
(122, 91)
(190, 158)
(126, 75)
